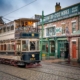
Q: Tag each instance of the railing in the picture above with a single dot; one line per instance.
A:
(26, 29)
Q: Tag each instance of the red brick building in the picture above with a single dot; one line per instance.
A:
(62, 33)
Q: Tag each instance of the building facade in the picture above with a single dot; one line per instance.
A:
(61, 38)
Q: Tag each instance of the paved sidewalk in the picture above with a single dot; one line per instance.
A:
(63, 62)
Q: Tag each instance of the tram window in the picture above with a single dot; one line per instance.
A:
(8, 28)
(24, 45)
(37, 45)
(18, 47)
(12, 27)
(32, 45)
(8, 47)
(12, 46)
(4, 46)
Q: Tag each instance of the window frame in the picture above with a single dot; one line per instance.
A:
(73, 26)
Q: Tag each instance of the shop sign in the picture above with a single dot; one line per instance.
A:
(58, 29)
(64, 13)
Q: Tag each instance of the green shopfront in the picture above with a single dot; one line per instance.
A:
(48, 48)
(55, 48)
(62, 48)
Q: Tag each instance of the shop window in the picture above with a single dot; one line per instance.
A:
(45, 47)
(73, 27)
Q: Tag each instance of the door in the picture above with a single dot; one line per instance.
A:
(52, 48)
(73, 49)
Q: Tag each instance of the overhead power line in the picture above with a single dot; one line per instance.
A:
(20, 8)
(6, 19)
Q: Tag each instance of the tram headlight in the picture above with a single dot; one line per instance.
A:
(33, 55)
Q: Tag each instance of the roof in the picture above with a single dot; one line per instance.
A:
(64, 8)
(27, 19)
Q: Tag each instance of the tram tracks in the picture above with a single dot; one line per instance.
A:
(51, 71)
(62, 70)
(71, 76)
(8, 74)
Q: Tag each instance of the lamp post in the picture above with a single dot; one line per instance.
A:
(42, 34)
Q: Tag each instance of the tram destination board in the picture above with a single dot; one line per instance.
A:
(30, 35)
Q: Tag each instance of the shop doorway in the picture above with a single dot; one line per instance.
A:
(63, 49)
(52, 49)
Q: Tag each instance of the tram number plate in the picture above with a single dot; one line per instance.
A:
(32, 58)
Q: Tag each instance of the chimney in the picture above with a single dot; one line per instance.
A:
(57, 7)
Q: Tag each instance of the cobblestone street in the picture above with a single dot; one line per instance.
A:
(45, 72)
(6, 76)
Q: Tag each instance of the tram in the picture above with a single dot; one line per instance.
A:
(19, 42)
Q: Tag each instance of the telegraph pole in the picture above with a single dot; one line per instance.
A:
(42, 34)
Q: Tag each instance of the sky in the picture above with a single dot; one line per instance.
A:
(8, 6)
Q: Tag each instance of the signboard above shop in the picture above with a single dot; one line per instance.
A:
(63, 13)
(58, 30)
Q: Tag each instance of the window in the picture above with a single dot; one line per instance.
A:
(1, 47)
(1, 30)
(40, 33)
(52, 46)
(12, 27)
(73, 27)
(50, 31)
(4, 29)
(63, 28)
(37, 45)
(4, 46)
(45, 47)
(8, 47)
(25, 45)
(12, 46)
(8, 28)
(18, 45)
(32, 45)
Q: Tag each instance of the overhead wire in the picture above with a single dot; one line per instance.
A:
(17, 10)
(20, 8)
